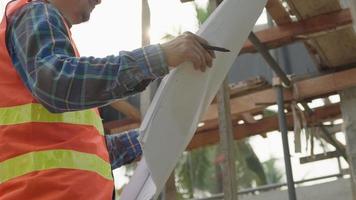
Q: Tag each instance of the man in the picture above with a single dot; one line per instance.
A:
(52, 144)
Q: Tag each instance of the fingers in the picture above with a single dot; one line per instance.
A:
(203, 56)
(188, 47)
(201, 41)
(201, 59)
(195, 59)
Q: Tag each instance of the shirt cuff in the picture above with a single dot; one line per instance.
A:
(151, 60)
(123, 148)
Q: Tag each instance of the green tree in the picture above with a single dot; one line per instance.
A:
(273, 175)
(195, 172)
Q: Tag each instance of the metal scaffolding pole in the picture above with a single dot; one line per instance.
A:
(284, 132)
(282, 79)
(270, 187)
(269, 59)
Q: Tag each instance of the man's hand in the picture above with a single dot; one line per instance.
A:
(187, 47)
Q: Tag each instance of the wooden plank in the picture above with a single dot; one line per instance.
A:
(213, 124)
(305, 89)
(332, 82)
(248, 86)
(227, 145)
(305, 9)
(320, 25)
(262, 126)
(246, 103)
(278, 12)
(334, 49)
(249, 118)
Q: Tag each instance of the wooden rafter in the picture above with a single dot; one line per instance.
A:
(335, 48)
(210, 137)
(295, 31)
(305, 89)
(278, 12)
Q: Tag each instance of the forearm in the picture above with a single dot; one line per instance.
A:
(67, 83)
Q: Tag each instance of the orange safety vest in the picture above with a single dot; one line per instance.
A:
(46, 156)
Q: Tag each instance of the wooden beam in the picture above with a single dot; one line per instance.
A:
(278, 12)
(288, 33)
(249, 118)
(208, 134)
(304, 9)
(248, 86)
(246, 103)
(210, 137)
(304, 89)
(213, 124)
(335, 48)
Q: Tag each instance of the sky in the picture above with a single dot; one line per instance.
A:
(115, 26)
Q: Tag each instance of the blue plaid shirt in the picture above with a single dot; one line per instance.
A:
(42, 53)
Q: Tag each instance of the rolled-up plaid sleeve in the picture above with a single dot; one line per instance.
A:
(61, 81)
(124, 148)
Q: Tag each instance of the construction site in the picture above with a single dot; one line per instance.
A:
(301, 62)
(282, 125)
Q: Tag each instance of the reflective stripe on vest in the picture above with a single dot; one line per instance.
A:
(44, 163)
(37, 113)
(53, 159)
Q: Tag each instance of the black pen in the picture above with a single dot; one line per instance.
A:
(214, 48)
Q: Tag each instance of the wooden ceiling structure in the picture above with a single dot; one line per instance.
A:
(325, 27)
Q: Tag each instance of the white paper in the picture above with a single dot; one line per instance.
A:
(185, 94)
(141, 184)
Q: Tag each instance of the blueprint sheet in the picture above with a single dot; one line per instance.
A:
(184, 96)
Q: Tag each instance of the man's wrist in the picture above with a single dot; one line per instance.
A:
(152, 60)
